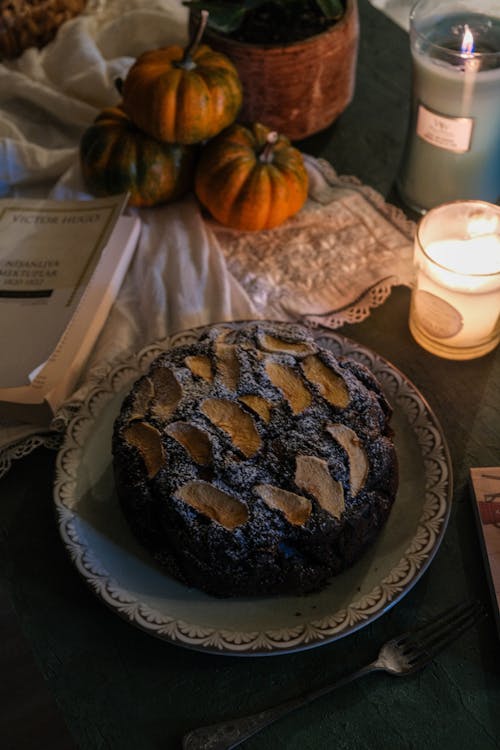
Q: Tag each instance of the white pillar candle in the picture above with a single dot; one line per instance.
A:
(455, 307)
(453, 144)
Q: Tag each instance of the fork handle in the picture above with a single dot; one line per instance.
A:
(228, 734)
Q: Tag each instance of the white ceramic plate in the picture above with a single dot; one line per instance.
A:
(124, 577)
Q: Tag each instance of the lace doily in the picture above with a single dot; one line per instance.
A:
(332, 262)
(27, 445)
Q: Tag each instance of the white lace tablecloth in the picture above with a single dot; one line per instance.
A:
(330, 264)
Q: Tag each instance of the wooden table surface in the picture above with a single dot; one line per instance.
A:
(76, 675)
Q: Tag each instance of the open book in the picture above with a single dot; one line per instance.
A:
(61, 266)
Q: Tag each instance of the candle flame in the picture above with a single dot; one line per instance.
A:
(467, 42)
(473, 257)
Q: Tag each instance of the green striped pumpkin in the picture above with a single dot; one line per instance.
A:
(117, 157)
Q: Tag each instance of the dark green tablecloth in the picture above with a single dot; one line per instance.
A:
(119, 688)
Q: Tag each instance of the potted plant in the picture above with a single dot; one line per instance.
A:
(296, 58)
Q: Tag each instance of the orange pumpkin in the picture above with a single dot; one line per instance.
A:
(183, 96)
(117, 157)
(251, 178)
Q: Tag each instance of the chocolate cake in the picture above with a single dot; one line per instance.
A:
(254, 462)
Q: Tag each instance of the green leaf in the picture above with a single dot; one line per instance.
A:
(224, 17)
(331, 8)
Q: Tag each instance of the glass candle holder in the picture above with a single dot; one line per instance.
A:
(453, 143)
(455, 301)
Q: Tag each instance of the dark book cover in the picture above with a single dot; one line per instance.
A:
(486, 494)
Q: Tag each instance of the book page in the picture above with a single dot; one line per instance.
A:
(29, 410)
(48, 252)
(78, 339)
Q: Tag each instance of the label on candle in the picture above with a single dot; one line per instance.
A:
(436, 316)
(450, 133)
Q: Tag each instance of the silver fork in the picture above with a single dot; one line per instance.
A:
(400, 656)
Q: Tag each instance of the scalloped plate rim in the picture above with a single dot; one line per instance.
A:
(213, 640)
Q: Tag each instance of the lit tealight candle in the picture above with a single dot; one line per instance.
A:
(455, 307)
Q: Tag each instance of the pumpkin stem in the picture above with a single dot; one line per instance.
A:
(266, 155)
(194, 43)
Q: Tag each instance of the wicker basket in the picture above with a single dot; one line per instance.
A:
(298, 88)
(32, 23)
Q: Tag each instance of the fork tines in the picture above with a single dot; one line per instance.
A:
(425, 642)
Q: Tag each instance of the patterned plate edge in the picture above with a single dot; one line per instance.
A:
(417, 557)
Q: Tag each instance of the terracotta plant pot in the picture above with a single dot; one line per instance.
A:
(298, 88)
